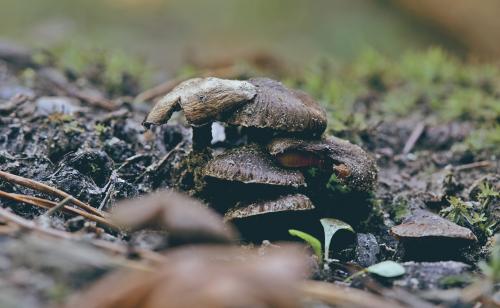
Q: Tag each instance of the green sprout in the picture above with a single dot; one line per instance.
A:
(330, 227)
(479, 218)
(491, 269)
(386, 269)
(309, 239)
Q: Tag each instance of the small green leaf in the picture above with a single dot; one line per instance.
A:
(386, 269)
(331, 226)
(311, 240)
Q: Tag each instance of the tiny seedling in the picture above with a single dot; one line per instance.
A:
(309, 239)
(331, 226)
(386, 269)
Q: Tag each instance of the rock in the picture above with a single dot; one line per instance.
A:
(427, 275)
(367, 249)
(47, 105)
(93, 163)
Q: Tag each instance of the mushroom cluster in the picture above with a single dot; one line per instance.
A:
(274, 172)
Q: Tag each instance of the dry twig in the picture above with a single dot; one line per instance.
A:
(47, 204)
(343, 297)
(412, 140)
(11, 178)
(145, 254)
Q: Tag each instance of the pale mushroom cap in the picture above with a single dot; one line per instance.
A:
(293, 202)
(362, 169)
(203, 100)
(423, 224)
(279, 108)
(250, 164)
(181, 216)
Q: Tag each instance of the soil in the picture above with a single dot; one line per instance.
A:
(66, 135)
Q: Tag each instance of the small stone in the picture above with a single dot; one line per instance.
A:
(427, 275)
(367, 249)
(48, 105)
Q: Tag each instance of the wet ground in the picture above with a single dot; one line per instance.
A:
(70, 132)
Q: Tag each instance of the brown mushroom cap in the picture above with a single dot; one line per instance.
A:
(279, 108)
(272, 218)
(184, 218)
(250, 164)
(207, 276)
(353, 166)
(203, 100)
(294, 202)
(423, 224)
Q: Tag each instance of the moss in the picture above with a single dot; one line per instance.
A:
(114, 70)
(431, 83)
(399, 210)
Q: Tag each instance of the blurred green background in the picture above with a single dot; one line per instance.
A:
(169, 33)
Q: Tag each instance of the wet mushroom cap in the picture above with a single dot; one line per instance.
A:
(185, 219)
(250, 164)
(203, 100)
(423, 224)
(352, 165)
(279, 108)
(293, 202)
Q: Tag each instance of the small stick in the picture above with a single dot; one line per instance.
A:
(478, 164)
(412, 140)
(58, 206)
(109, 246)
(47, 204)
(344, 297)
(9, 177)
(154, 167)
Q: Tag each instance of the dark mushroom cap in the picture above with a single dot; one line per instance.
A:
(423, 224)
(353, 166)
(185, 219)
(294, 202)
(270, 219)
(203, 100)
(250, 164)
(279, 108)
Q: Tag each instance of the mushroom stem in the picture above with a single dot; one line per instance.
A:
(202, 136)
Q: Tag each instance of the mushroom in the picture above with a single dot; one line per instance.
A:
(268, 180)
(351, 164)
(185, 219)
(426, 235)
(279, 108)
(272, 218)
(203, 100)
(249, 164)
(246, 172)
(257, 103)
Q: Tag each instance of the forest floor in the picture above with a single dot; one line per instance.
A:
(430, 120)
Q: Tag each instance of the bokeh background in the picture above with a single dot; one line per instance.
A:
(170, 33)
